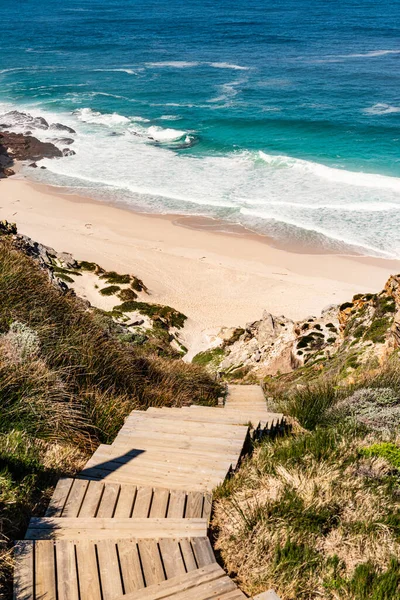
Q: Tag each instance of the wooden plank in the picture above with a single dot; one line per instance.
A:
(59, 497)
(89, 583)
(23, 570)
(146, 479)
(177, 502)
(194, 505)
(203, 551)
(130, 566)
(75, 498)
(45, 572)
(67, 576)
(151, 562)
(108, 459)
(179, 584)
(142, 504)
(207, 506)
(92, 499)
(141, 440)
(159, 503)
(125, 502)
(188, 555)
(108, 528)
(108, 500)
(111, 584)
(172, 558)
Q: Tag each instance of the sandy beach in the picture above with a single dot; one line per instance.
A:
(216, 279)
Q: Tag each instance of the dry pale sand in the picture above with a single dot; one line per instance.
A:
(216, 279)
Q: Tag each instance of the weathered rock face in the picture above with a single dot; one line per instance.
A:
(16, 118)
(26, 147)
(16, 146)
(61, 127)
(277, 344)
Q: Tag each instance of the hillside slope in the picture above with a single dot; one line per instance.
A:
(69, 375)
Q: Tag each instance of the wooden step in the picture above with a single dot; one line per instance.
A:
(144, 440)
(102, 570)
(202, 584)
(148, 423)
(143, 477)
(84, 498)
(131, 459)
(47, 528)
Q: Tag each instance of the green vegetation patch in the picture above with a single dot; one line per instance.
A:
(113, 277)
(378, 330)
(157, 312)
(110, 290)
(208, 356)
(387, 450)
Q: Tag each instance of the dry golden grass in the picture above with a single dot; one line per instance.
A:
(303, 524)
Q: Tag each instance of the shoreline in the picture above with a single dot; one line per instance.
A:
(217, 278)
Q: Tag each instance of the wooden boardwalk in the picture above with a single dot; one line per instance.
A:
(133, 524)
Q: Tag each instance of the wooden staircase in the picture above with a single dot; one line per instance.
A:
(133, 524)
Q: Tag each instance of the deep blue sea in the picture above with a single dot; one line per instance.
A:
(280, 115)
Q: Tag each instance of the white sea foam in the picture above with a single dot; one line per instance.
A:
(140, 119)
(342, 57)
(170, 118)
(87, 115)
(127, 71)
(225, 65)
(176, 64)
(369, 180)
(371, 54)
(228, 91)
(165, 135)
(381, 109)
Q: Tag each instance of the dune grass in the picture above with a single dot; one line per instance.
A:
(67, 382)
(316, 514)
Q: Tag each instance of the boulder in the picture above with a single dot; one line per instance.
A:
(64, 141)
(24, 147)
(68, 152)
(61, 127)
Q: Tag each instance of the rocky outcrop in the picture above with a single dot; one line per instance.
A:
(356, 333)
(277, 344)
(26, 147)
(17, 142)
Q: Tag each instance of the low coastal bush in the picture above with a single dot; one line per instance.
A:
(110, 290)
(315, 514)
(208, 356)
(157, 312)
(67, 382)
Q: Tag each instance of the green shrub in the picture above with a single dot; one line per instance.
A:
(165, 314)
(378, 330)
(311, 404)
(113, 277)
(386, 450)
(208, 356)
(110, 290)
(127, 294)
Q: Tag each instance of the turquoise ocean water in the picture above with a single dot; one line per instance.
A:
(280, 115)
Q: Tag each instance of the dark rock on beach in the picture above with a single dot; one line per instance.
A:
(16, 146)
(68, 152)
(26, 147)
(64, 141)
(61, 127)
